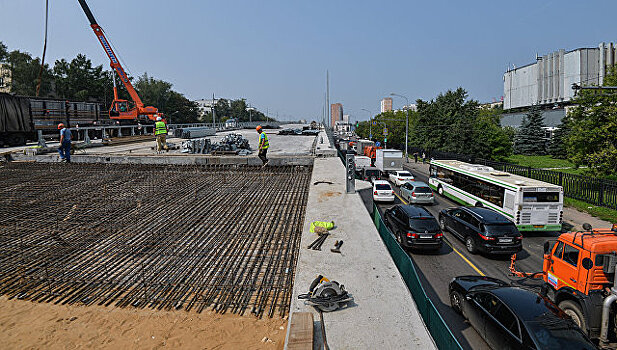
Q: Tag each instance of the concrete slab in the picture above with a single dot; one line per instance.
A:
(383, 314)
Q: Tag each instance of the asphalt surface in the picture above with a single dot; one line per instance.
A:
(437, 269)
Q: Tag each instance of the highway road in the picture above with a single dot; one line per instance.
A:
(437, 269)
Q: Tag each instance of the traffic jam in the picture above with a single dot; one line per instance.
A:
(493, 248)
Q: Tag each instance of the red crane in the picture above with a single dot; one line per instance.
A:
(120, 109)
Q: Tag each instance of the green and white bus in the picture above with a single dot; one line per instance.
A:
(531, 204)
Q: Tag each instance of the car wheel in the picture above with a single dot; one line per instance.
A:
(440, 190)
(442, 224)
(470, 244)
(398, 239)
(455, 302)
(573, 310)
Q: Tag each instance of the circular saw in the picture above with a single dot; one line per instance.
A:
(326, 295)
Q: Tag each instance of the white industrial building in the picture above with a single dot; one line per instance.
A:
(549, 80)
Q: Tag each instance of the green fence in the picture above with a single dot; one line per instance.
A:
(436, 325)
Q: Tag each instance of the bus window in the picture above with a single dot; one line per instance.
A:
(541, 197)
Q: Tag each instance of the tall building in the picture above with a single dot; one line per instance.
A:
(386, 104)
(336, 111)
(5, 78)
(548, 81)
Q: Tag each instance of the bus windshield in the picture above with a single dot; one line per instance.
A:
(541, 197)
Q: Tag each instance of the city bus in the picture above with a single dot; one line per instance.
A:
(531, 204)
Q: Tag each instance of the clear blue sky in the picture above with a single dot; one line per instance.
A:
(275, 53)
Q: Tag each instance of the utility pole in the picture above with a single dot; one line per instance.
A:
(213, 110)
(406, 124)
(328, 97)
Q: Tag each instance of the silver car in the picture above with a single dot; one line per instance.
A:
(417, 192)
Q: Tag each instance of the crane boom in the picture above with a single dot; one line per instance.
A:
(119, 108)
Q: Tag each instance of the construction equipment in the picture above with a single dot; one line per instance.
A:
(120, 109)
(326, 295)
(579, 275)
(337, 247)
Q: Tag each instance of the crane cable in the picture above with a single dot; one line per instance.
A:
(38, 85)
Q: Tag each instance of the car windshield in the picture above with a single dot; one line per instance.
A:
(404, 173)
(501, 229)
(422, 190)
(382, 187)
(372, 173)
(423, 224)
(552, 335)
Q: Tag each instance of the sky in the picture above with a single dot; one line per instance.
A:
(275, 54)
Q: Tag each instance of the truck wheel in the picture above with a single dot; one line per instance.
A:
(573, 310)
(470, 244)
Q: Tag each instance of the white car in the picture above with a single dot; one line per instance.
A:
(382, 191)
(400, 177)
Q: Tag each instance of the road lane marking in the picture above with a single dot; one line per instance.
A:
(451, 246)
(464, 258)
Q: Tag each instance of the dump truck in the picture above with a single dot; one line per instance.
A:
(16, 125)
(388, 160)
(579, 275)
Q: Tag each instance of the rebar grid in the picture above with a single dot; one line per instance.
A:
(162, 237)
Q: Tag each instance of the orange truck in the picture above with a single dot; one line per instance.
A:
(579, 276)
(371, 152)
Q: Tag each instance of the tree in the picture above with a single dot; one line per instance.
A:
(491, 141)
(4, 52)
(153, 92)
(557, 147)
(24, 74)
(592, 140)
(531, 137)
(79, 80)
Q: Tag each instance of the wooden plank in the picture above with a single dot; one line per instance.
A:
(301, 331)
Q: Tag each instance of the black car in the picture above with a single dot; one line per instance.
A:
(510, 317)
(414, 227)
(482, 230)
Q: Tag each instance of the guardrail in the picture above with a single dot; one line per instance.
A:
(443, 337)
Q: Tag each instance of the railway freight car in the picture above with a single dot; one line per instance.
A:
(47, 113)
(16, 125)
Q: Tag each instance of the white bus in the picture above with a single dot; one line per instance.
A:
(531, 204)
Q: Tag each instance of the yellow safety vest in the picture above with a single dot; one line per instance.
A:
(160, 128)
(324, 224)
(265, 143)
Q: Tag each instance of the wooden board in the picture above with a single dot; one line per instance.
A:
(301, 331)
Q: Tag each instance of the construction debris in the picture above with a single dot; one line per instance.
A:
(162, 237)
(230, 144)
(194, 132)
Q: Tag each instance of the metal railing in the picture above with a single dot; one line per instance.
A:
(441, 333)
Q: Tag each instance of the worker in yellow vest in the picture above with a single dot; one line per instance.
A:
(324, 224)
(263, 145)
(160, 131)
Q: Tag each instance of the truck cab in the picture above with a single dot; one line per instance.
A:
(579, 276)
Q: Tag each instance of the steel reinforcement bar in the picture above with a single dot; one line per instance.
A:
(166, 237)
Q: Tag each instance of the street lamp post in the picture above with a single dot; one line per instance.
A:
(370, 123)
(406, 124)
(385, 143)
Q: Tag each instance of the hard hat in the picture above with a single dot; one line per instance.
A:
(158, 119)
(258, 127)
(60, 126)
